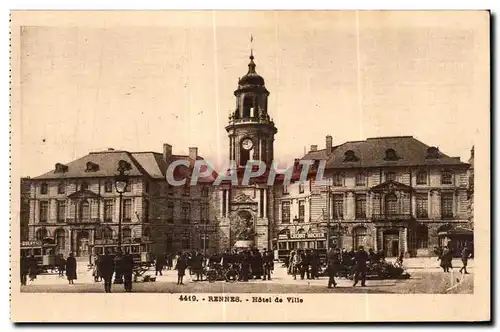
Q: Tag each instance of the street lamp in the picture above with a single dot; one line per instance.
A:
(121, 183)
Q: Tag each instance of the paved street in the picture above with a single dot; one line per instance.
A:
(426, 278)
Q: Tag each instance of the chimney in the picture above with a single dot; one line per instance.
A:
(314, 148)
(193, 153)
(329, 142)
(167, 152)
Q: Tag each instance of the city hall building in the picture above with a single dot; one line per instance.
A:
(394, 194)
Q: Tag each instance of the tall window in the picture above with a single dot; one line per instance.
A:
(108, 186)
(338, 206)
(338, 180)
(107, 233)
(128, 188)
(204, 241)
(285, 212)
(446, 177)
(422, 205)
(360, 206)
(146, 210)
(61, 188)
(186, 212)
(361, 179)
(186, 240)
(204, 212)
(41, 234)
(108, 210)
(391, 205)
(204, 191)
(60, 238)
(390, 176)
(44, 211)
(84, 211)
(447, 205)
(170, 212)
(302, 211)
(127, 210)
(301, 188)
(422, 237)
(44, 188)
(422, 177)
(61, 211)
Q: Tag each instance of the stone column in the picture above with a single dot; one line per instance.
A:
(414, 205)
(70, 238)
(259, 203)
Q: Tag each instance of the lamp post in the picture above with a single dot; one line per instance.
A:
(121, 183)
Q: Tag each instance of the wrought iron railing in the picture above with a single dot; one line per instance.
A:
(391, 217)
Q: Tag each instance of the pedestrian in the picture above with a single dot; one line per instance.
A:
(95, 272)
(290, 262)
(159, 264)
(465, 255)
(61, 264)
(267, 262)
(127, 270)
(71, 268)
(24, 269)
(333, 260)
(445, 258)
(306, 262)
(315, 264)
(245, 266)
(181, 268)
(198, 266)
(360, 259)
(106, 269)
(297, 263)
(33, 267)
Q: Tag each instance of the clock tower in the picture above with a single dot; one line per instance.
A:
(246, 210)
(251, 131)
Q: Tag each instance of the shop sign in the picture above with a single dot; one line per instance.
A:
(308, 236)
(31, 243)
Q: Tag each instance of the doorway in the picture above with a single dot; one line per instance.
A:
(82, 241)
(391, 243)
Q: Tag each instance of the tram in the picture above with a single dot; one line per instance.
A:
(44, 252)
(139, 248)
(286, 243)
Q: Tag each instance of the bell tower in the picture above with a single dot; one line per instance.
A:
(251, 131)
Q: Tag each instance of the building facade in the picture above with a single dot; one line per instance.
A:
(76, 206)
(394, 194)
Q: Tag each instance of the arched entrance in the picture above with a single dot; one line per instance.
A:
(82, 244)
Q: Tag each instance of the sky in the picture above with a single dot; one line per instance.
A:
(133, 81)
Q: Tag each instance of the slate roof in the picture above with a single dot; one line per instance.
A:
(372, 153)
(142, 164)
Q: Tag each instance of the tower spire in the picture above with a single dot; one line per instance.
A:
(251, 65)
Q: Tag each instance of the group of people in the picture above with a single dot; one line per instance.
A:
(244, 264)
(30, 268)
(357, 260)
(445, 256)
(305, 263)
(120, 265)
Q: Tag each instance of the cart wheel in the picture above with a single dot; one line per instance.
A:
(211, 277)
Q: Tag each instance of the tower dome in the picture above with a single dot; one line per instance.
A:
(251, 78)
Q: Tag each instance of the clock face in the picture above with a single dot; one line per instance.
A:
(247, 144)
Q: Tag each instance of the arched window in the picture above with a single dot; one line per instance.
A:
(84, 186)
(61, 187)
(391, 204)
(84, 210)
(359, 235)
(390, 154)
(126, 233)
(41, 234)
(422, 237)
(248, 106)
(60, 237)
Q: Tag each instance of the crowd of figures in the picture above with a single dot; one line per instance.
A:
(30, 268)
(445, 256)
(230, 265)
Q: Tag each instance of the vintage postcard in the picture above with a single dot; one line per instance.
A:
(250, 166)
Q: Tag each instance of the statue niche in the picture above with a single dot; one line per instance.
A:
(243, 227)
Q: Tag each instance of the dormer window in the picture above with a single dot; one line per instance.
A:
(91, 167)
(60, 168)
(432, 153)
(350, 156)
(390, 154)
(84, 186)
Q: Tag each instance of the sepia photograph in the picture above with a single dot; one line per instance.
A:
(245, 165)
